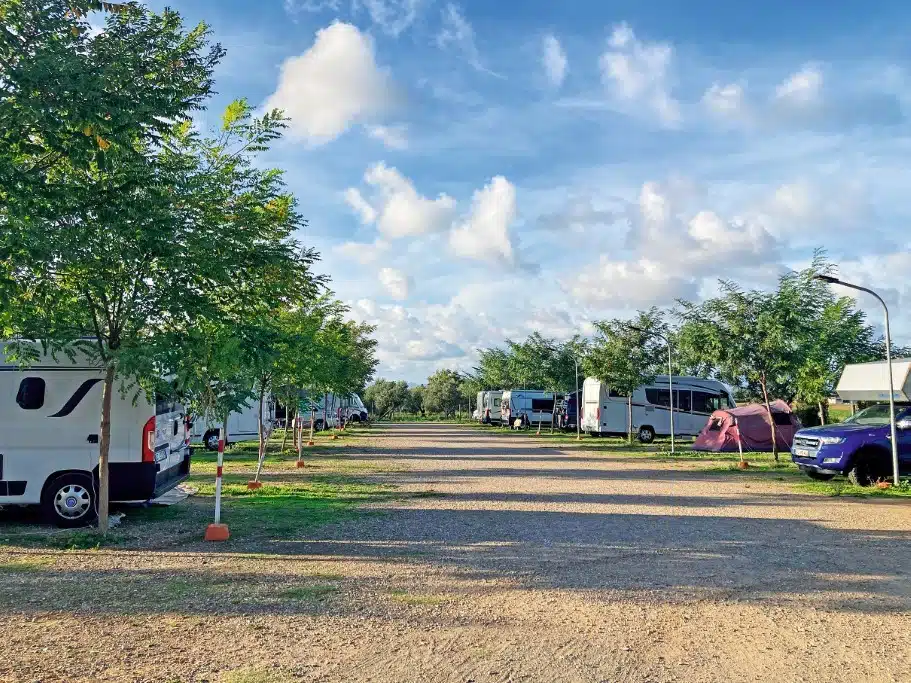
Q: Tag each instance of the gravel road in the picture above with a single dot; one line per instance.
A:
(532, 564)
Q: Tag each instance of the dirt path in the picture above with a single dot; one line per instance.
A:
(533, 564)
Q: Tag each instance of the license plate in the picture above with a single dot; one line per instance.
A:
(801, 452)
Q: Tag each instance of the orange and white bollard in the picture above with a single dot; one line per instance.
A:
(218, 531)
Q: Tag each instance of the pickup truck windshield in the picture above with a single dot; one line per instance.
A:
(877, 415)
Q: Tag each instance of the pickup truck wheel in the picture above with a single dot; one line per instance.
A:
(819, 476)
(69, 501)
(868, 468)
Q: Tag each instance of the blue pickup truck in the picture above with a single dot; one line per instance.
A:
(859, 448)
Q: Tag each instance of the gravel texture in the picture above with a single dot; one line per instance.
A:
(532, 564)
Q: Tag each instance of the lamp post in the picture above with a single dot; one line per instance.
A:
(670, 373)
(578, 402)
(835, 281)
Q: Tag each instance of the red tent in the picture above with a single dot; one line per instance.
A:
(749, 426)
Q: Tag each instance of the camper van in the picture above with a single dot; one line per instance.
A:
(50, 415)
(478, 413)
(605, 410)
(327, 408)
(537, 406)
(492, 403)
(243, 424)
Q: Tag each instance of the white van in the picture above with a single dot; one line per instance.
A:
(695, 399)
(478, 412)
(50, 417)
(243, 424)
(536, 405)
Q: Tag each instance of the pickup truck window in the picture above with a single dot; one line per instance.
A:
(876, 416)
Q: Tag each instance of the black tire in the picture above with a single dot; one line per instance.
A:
(210, 440)
(868, 468)
(354, 418)
(646, 434)
(318, 426)
(69, 501)
(818, 476)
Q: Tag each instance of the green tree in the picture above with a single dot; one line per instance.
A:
(118, 220)
(625, 358)
(414, 403)
(443, 392)
(385, 397)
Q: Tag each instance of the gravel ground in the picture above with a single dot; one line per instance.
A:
(533, 564)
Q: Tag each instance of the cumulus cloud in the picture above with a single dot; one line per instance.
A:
(486, 233)
(364, 253)
(725, 100)
(396, 283)
(636, 72)
(554, 61)
(801, 88)
(396, 206)
(672, 252)
(334, 84)
(393, 137)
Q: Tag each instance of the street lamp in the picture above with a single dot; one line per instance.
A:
(835, 281)
(670, 373)
(578, 402)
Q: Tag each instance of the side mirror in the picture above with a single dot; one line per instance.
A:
(904, 424)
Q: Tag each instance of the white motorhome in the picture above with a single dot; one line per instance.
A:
(327, 408)
(50, 416)
(478, 412)
(605, 411)
(243, 424)
(492, 407)
(536, 405)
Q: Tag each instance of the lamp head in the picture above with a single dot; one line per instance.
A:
(827, 278)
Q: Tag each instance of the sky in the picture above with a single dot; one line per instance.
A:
(475, 171)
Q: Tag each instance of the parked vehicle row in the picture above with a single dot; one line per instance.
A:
(50, 414)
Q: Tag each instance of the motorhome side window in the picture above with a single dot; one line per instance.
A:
(542, 404)
(613, 393)
(658, 397)
(31, 393)
(496, 402)
(704, 402)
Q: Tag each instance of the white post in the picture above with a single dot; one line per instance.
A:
(578, 404)
(895, 479)
(220, 462)
(739, 440)
(670, 383)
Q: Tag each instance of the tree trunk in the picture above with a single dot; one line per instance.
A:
(104, 449)
(822, 413)
(262, 433)
(297, 431)
(289, 421)
(629, 419)
(768, 407)
(325, 410)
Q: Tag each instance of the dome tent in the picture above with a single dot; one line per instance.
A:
(747, 428)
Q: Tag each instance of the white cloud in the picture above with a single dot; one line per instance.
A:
(725, 100)
(485, 235)
(396, 283)
(356, 201)
(673, 251)
(362, 252)
(393, 137)
(332, 85)
(801, 88)
(458, 34)
(554, 61)
(637, 72)
(392, 16)
(397, 207)
(295, 6)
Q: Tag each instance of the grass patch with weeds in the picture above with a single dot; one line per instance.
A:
(25, 566)
(840, 487)
(254, 675)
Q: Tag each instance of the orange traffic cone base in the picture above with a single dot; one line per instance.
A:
(743, 464)
(252, 485)
(217, 532)
(310, 443)
(301, 463)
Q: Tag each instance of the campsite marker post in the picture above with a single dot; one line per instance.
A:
(578, 402)
(835, 281)
(218, 531)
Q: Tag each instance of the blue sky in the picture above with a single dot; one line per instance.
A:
(478, 170)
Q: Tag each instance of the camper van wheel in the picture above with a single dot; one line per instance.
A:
(211, 440)
(318, 425)
(646, 434)
(354, 418)
(69, 500)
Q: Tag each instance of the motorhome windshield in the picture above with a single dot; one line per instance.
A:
(877, 415)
